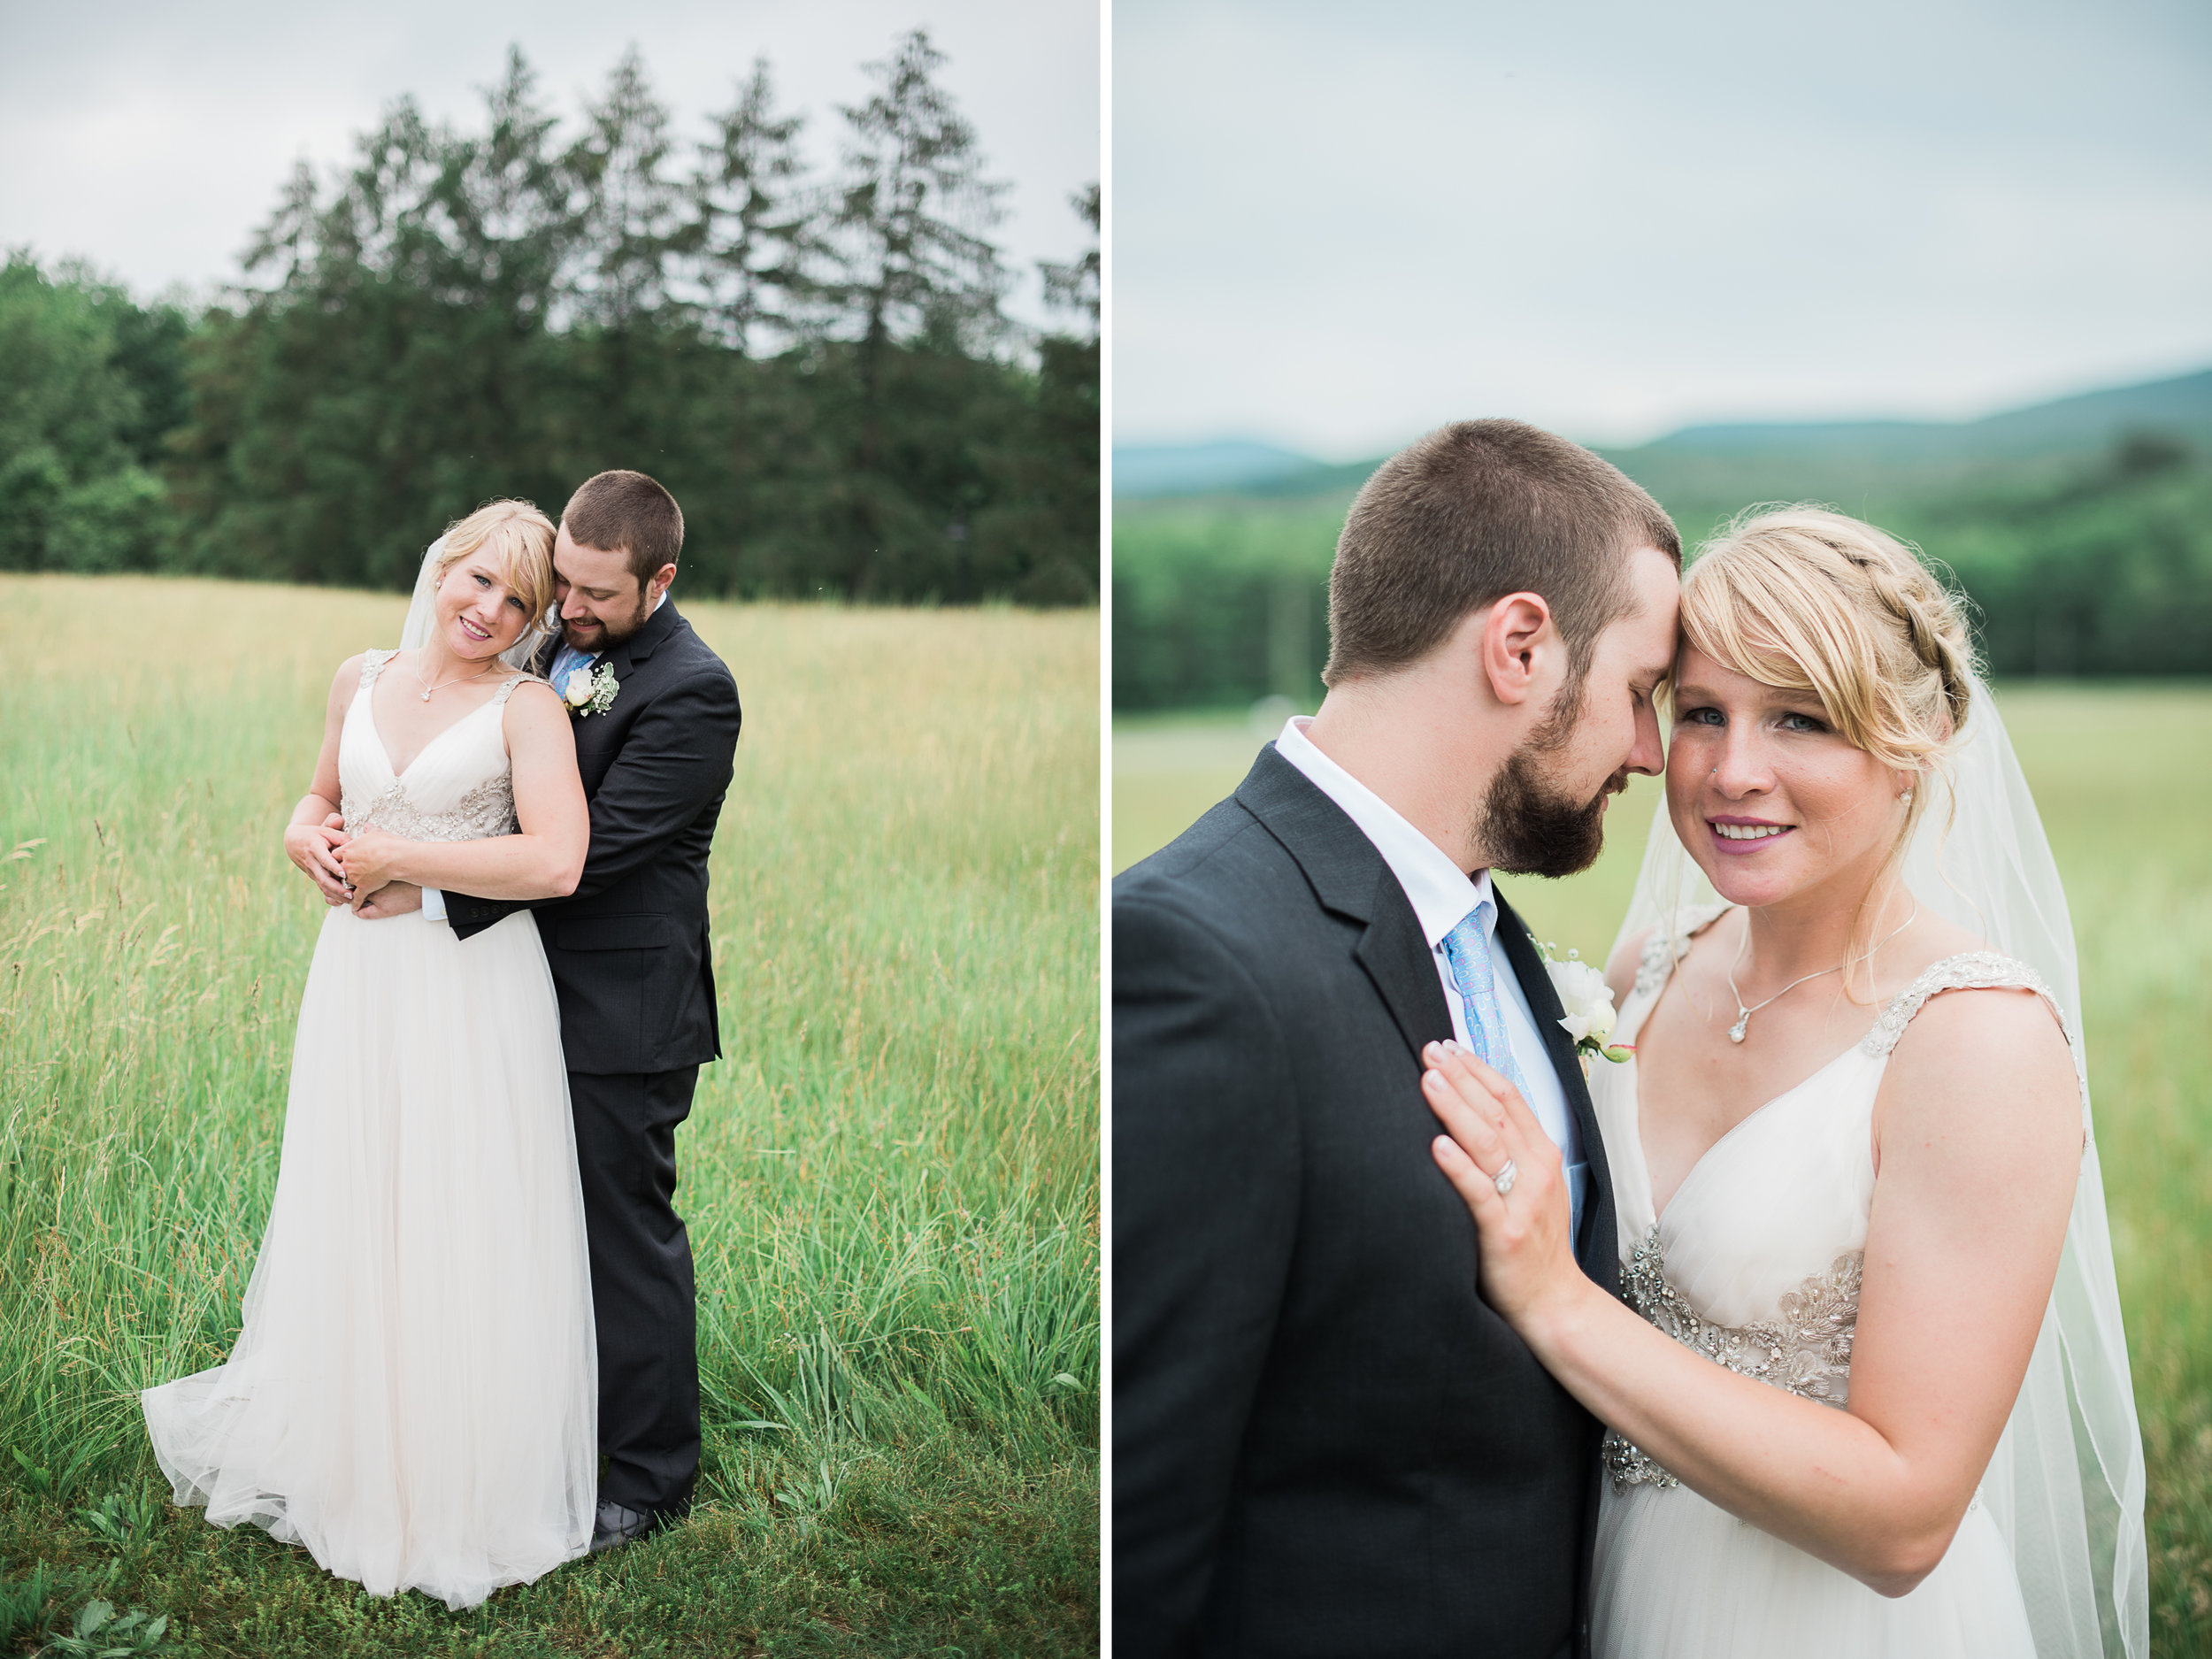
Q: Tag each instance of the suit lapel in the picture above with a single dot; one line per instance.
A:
(1397, 958)
(1349, 876)
(1596, 1247)
(618, 658)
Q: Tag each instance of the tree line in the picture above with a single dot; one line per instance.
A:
(817, 364)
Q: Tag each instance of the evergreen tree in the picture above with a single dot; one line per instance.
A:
(1038, 539)
(918, 296)
(628, 211)
(1075, 285)
(754, 244)
(912, 209)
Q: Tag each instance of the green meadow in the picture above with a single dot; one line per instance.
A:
(2123, 776)
(890, 1180)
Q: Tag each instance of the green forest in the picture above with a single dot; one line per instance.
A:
(815, 362)
(2080, 532)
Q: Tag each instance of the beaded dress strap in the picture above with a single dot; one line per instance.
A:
(373, 664)
(507, 686)
(1663, 949)
(1970, 970)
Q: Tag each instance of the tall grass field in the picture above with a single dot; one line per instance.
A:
(2122, 776)
(890, 1179)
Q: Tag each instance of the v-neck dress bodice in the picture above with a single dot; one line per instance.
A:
(1755, 1262)
(458, 787)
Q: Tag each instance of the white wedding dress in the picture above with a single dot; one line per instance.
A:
(413, 1395)
(1756, 1263)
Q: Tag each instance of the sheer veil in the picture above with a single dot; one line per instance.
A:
(2066, 1482)
(422, 616)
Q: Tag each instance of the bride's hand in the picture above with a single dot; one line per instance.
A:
(1527, 1251)
(314, 848)
(370, 860)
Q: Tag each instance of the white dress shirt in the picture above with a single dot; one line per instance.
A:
(1441, 895)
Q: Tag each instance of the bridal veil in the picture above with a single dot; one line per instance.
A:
(2066, 1482)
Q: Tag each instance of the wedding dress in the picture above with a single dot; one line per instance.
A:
(1755, 1262)
(413, 1395)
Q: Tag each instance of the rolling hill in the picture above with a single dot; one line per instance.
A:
(1747, 460)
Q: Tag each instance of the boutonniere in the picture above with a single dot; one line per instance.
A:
(1589, 1001)
(589, 691)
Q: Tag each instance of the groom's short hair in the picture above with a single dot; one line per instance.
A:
(1474, 511)
(628, 512)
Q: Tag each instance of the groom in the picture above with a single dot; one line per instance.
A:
(655, 737)
(1324, 1442)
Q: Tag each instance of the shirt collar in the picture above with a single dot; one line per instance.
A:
(1440, 892)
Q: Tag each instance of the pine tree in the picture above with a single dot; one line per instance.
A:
(754, 243)
(628, 211)
(913, 206)
(917, 295)
(1075, 287)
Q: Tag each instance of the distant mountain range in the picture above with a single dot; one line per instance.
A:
(1803, 457)
(1203, 469)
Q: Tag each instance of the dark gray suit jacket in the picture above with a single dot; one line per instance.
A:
(629, 949)
(1324, 1441)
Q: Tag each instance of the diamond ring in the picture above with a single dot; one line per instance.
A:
(1504, 1179)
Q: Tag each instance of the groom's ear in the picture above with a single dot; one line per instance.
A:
(1516, 640)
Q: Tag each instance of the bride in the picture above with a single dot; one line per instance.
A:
(413, 1393)
(1868, 1394)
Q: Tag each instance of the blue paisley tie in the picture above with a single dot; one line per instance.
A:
(1468, 952)
(1467, 949)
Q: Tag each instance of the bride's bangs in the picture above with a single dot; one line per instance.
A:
(1808, 600)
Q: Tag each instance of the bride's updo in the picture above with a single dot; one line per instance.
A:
(1809, 599)
(520, 538)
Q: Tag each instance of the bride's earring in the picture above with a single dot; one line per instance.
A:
(1905, 799)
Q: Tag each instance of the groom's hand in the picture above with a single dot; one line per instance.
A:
(394, 898)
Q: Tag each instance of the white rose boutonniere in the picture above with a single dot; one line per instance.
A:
(1588, 1002)
(590, 691)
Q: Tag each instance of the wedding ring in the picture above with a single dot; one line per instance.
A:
(1504, 1179)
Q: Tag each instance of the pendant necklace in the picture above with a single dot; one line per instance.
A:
(427, 687)
(1737, 1031)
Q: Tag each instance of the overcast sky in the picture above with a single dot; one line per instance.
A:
(152, 138)
(1339, 225)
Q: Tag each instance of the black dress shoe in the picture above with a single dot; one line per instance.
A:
(614, 1525)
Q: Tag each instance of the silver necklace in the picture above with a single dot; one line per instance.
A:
(427, 687)
(1737, 1031)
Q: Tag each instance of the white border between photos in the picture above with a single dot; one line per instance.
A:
(1107, 214)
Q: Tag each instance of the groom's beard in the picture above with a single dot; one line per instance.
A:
(1529, 830)
(607, 634)
(1527, 825)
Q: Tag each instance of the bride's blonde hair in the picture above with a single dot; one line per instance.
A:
(520, 538)
(1809, 599)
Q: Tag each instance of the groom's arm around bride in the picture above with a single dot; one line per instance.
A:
(1324, 1441)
